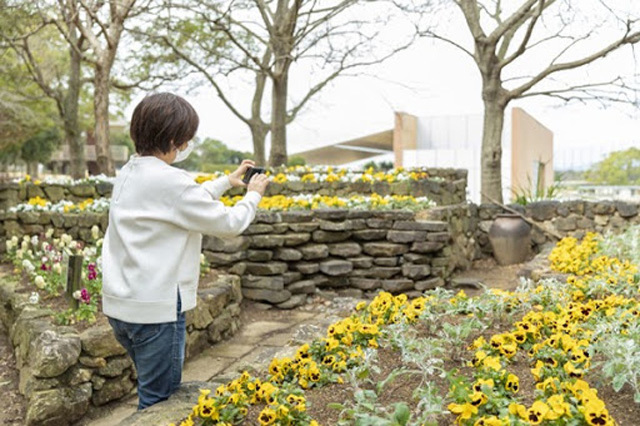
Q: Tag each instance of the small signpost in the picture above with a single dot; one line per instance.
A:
(74, 278)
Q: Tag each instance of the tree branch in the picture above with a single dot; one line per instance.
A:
(628, 38)
(208, 76)
(511, 21)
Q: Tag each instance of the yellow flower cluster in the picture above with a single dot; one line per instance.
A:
(330, 174)
(557, 340)
(314, 364)
(311, 201)
(37, 201)
(82, 206)
(229, 404)
(573, 257)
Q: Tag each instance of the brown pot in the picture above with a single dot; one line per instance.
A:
(510, 238)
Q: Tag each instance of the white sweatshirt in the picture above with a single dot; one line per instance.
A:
(153, 242)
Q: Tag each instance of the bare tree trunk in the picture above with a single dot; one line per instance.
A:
(259, 133)
(101, 112)
(70, 117)
(278, 155)
(32, 169)
(491, 181)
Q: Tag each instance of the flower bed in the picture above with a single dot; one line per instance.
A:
(532, 356)
(38, 204)
(357, 202)
(42, 260)
(444, 186)
(338, 174)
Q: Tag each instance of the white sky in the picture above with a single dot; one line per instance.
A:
(430, 78)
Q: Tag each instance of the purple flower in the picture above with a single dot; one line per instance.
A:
(85, 296)
(43, 267)
(93, 274)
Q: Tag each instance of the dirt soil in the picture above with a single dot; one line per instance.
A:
(492, 275)
(13, 403)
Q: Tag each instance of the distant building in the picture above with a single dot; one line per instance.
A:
(60, 160)
(585, 191)
(454, 141)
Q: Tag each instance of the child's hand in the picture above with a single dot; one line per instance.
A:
(258, 183)
(235, 178)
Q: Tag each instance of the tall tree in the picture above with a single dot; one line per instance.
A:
(33, 38)
(102, 24)
(560, 35)
(262, 40)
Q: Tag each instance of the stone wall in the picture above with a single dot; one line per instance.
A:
(283, 257)
(32, 223)
(568, 218)
(469, 224)
(63, 372)
(12, 194)
(447, 186)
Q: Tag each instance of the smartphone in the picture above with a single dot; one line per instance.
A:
(252, 171)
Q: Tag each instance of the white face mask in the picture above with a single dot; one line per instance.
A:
(182, 155)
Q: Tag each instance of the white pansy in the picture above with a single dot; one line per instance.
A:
(20, 254)
(95, 232)
(24, 246)
(77, 295)
(39, 282)
(9, 245)
(14, 240)
(34, 241)
(34, 298)
(26, 264)
(49, 233)
(57, 268)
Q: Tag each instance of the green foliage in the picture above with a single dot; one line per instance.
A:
(296, 160)
(23, 111)
(532, 193)
(122, 138)
(40, 147)
(619, 168)
(382, 166)
(212, 155)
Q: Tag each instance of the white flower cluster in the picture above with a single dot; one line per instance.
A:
(66, 181)
(98, 205)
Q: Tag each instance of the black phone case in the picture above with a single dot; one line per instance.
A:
(252, 171)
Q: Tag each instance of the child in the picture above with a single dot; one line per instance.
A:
(151, 252)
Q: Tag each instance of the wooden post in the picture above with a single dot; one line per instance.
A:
(74, 279)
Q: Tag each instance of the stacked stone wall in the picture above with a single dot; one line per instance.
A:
(469, 224)
(65, 372)
(283, 257)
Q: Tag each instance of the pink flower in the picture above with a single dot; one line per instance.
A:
(93, 274)
(85, 296)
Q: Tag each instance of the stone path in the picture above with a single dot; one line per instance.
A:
(264, 334)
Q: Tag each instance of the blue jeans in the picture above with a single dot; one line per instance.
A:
(157, 350)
